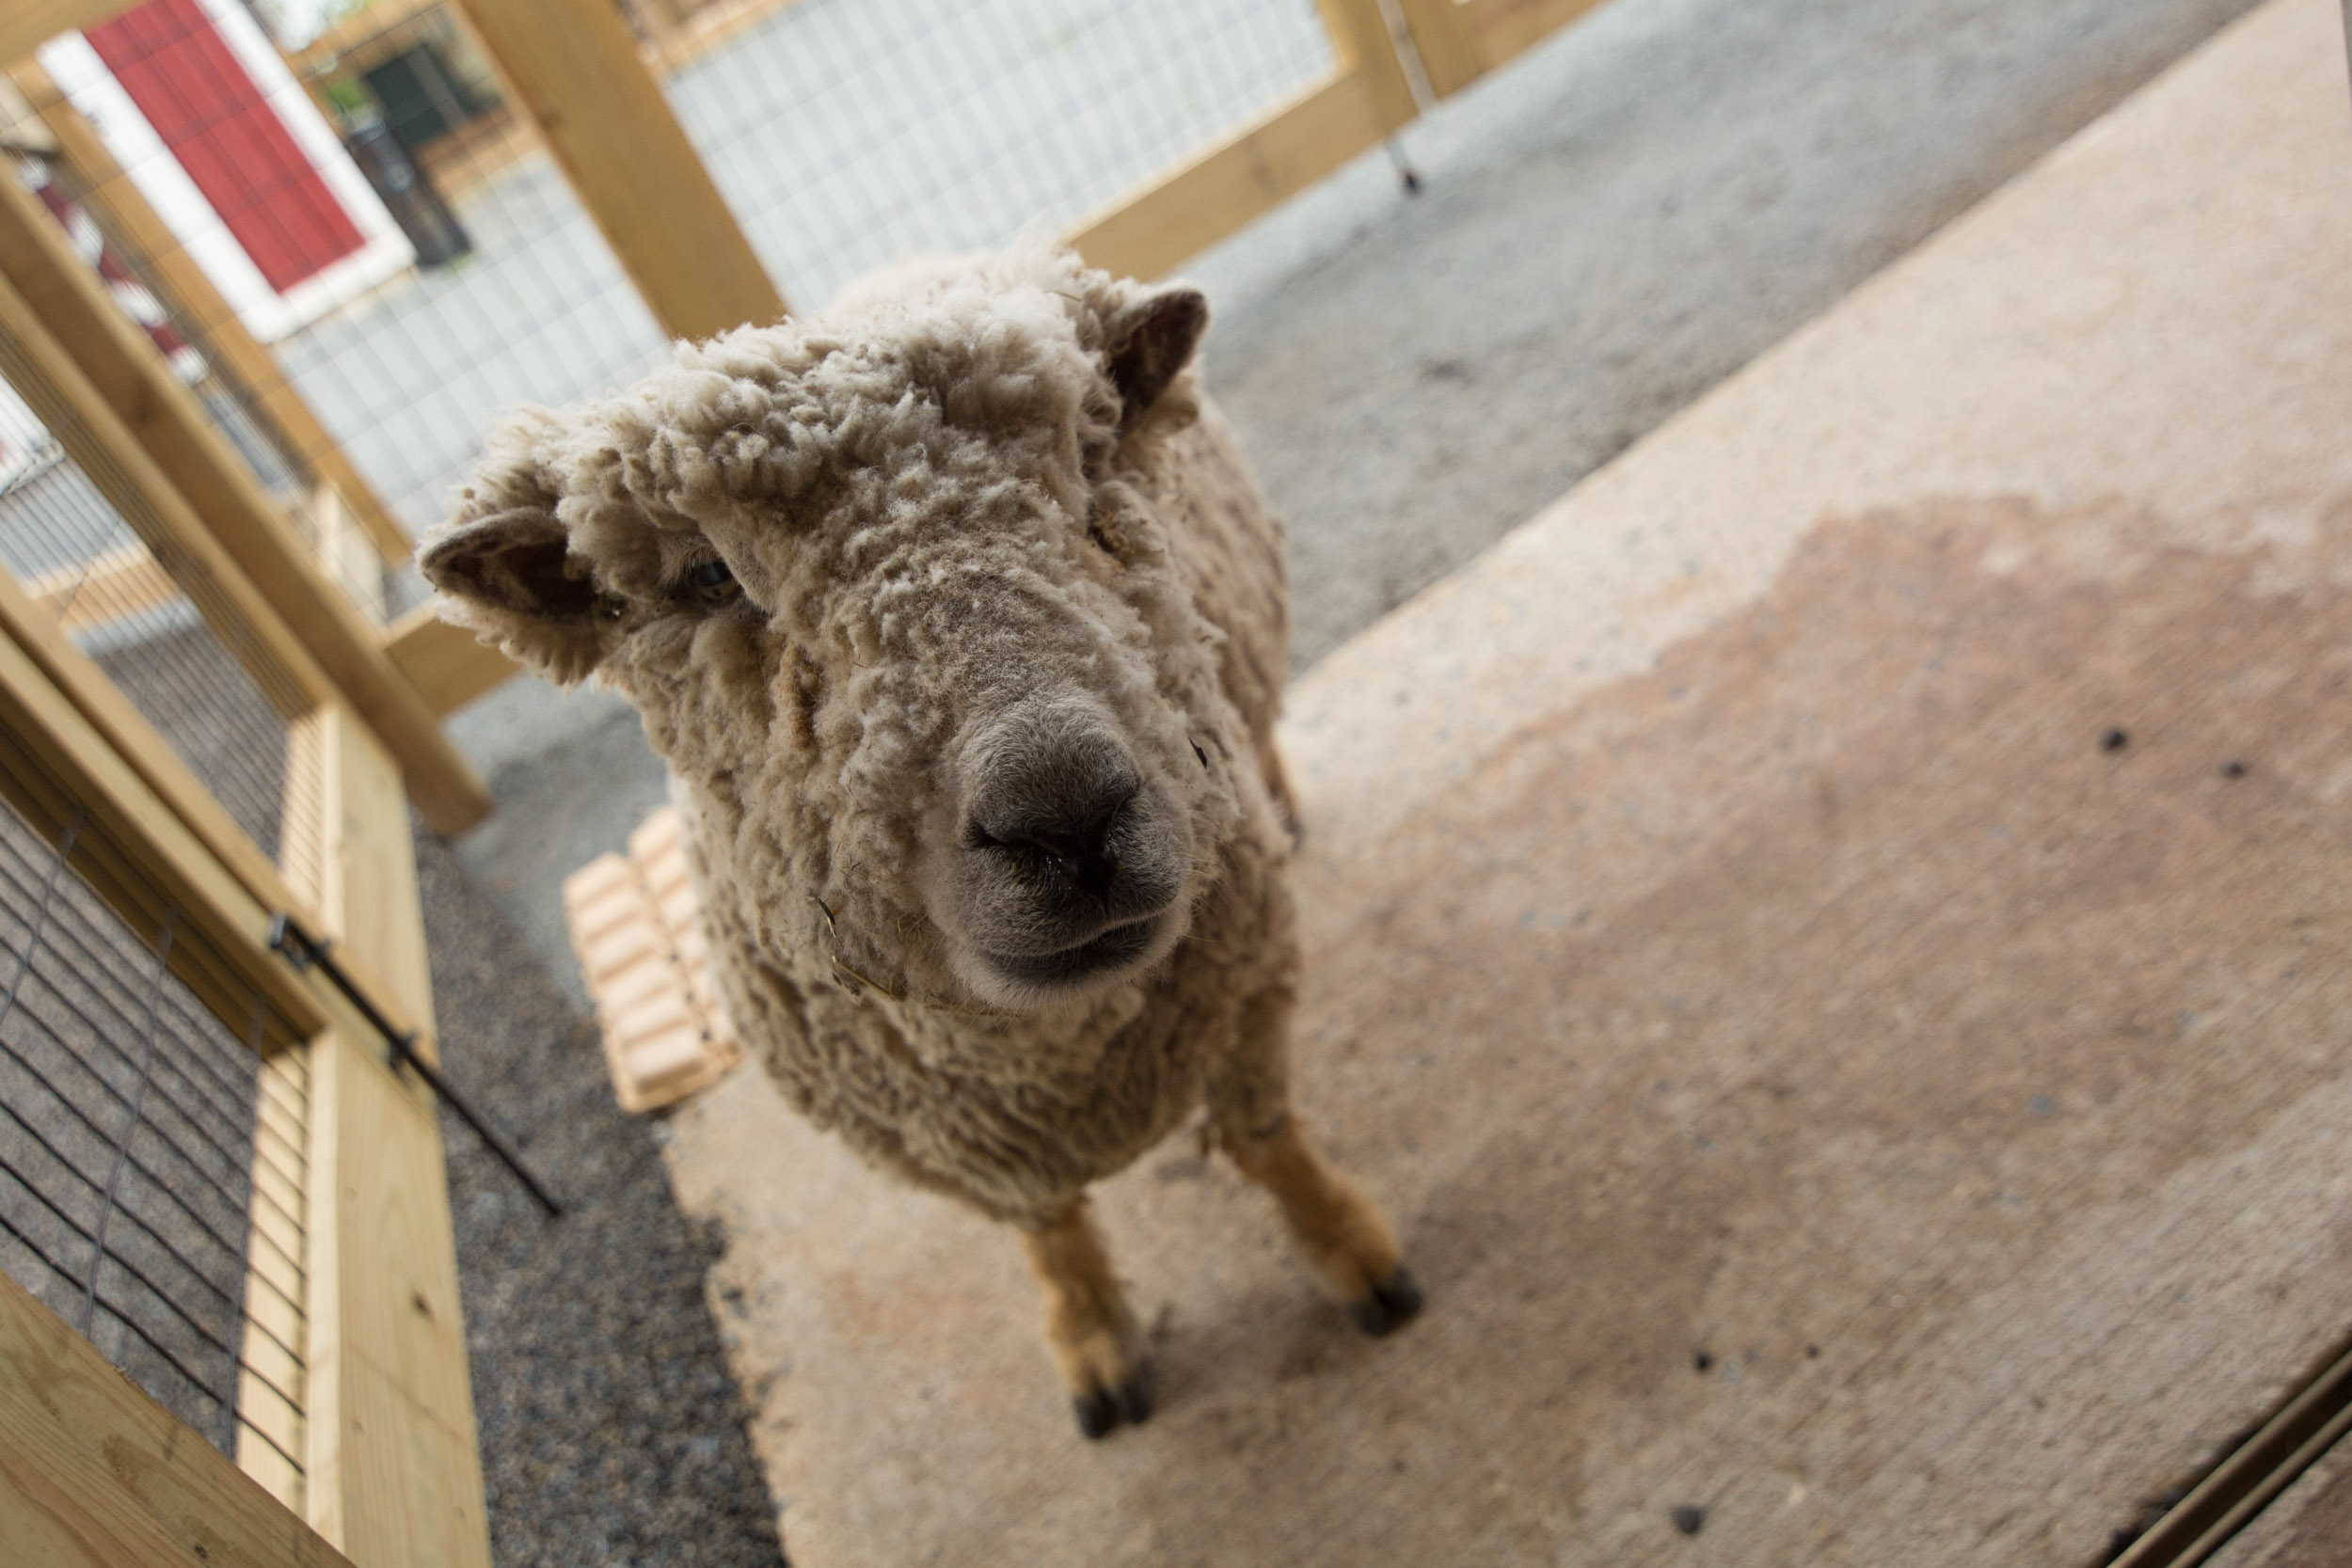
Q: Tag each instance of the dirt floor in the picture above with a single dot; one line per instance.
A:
(1824, 941)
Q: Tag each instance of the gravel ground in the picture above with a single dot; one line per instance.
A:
(611, 1431)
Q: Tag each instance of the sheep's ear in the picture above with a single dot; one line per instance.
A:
(1150, 341)
(512, 561)
(512, 578)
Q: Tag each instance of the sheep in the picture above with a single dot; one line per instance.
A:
(962, 625)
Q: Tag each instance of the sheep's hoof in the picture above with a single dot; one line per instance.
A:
(1393, 1301)
(1101, 1411)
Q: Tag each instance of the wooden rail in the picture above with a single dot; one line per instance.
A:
(449, 665)
(94, 1474)
(1460, 40)
(137, 855)
(167, 424)
(120, 468)
(119, 202)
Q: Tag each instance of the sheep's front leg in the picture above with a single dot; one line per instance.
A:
(1087, 1322)
(1345, 1237)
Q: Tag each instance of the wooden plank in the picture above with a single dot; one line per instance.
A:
(94, 1474)
(273, 1390)
(1146, 234)
(572, 67)
(26, 25)
(394, 1473)
(121, 363)
(394, 1476)
(126, 729)
(449, 664)
(1501, 29)
(127, 212)
(137, 854)
(1359, 38)
(99, 592)
(352, 867)
(369, 899)
(1442, 35)
(344, 551)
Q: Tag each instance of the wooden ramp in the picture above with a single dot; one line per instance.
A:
(1832, 941)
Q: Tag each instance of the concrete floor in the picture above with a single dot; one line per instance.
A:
(1827, 940)
(1609, 230)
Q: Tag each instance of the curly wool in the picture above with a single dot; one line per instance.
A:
(905, 490)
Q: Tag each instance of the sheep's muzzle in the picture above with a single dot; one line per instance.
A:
(1070, 861)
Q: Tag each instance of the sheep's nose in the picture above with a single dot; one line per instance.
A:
(1075, 839)
(1072, 858)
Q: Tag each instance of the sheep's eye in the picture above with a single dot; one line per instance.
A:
(711, 581)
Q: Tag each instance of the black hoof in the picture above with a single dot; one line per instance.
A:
(1393, 1301)
(1096, 1414)
(1101, 1411)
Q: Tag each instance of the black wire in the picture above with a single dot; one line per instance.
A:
(131, 1126)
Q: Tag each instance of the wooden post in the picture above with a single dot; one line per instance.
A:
(449, 665)
(70, 304)
(94, 1474)
(394, 1475)
(1441, 34)
(1146, 232)
(98, 700)
(1360, 37)
(572, 67)
(120, 202)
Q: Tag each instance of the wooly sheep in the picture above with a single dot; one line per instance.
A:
(961, 626)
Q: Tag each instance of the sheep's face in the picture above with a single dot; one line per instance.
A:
(893, 610)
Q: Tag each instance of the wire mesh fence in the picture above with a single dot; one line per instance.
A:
(118, 237)
(843, 134)
(847, 133)
(515, 298)
(153, 1170)
(164, 634)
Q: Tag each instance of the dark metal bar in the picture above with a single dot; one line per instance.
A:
(69, 923)
(131, 1126)
(211, 1232)
(75, 1171)
(120, 1261)
(303, 950)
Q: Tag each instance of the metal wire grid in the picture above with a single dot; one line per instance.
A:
(150, 1193)
(154, 623)
(848, 132)
(410, 377)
